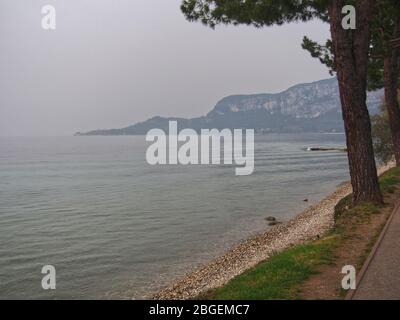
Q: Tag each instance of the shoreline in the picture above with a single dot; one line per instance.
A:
(309, 225)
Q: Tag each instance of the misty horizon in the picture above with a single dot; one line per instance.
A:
(108, 66)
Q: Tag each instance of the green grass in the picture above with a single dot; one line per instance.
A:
(389, 180)
(281, 275)
(278, 277)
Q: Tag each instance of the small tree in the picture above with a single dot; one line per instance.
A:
(383, 143)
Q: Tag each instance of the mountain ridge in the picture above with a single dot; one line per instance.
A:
(305, 107)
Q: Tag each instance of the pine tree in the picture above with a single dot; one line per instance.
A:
(384, 66)
(350, 50)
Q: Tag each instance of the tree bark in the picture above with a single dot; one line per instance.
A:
(391, 73)
(351, 49)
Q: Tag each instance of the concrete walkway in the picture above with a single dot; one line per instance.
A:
(381, 277)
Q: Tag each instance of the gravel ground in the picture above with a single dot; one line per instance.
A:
(309, 225)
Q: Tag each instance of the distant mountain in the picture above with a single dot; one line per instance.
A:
(310, 107)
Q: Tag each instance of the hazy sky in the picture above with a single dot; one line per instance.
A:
(111, 63)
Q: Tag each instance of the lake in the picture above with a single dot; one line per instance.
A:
(115, 227)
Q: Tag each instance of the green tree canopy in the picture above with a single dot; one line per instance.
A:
(259, 13)
(383, 29)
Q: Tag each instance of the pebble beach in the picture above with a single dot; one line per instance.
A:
(306, 226)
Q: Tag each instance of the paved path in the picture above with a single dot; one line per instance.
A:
(381, 279)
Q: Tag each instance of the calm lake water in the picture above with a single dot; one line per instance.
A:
(115, 227)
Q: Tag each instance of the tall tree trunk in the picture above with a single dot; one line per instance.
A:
(391, 68)
(351, 49)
